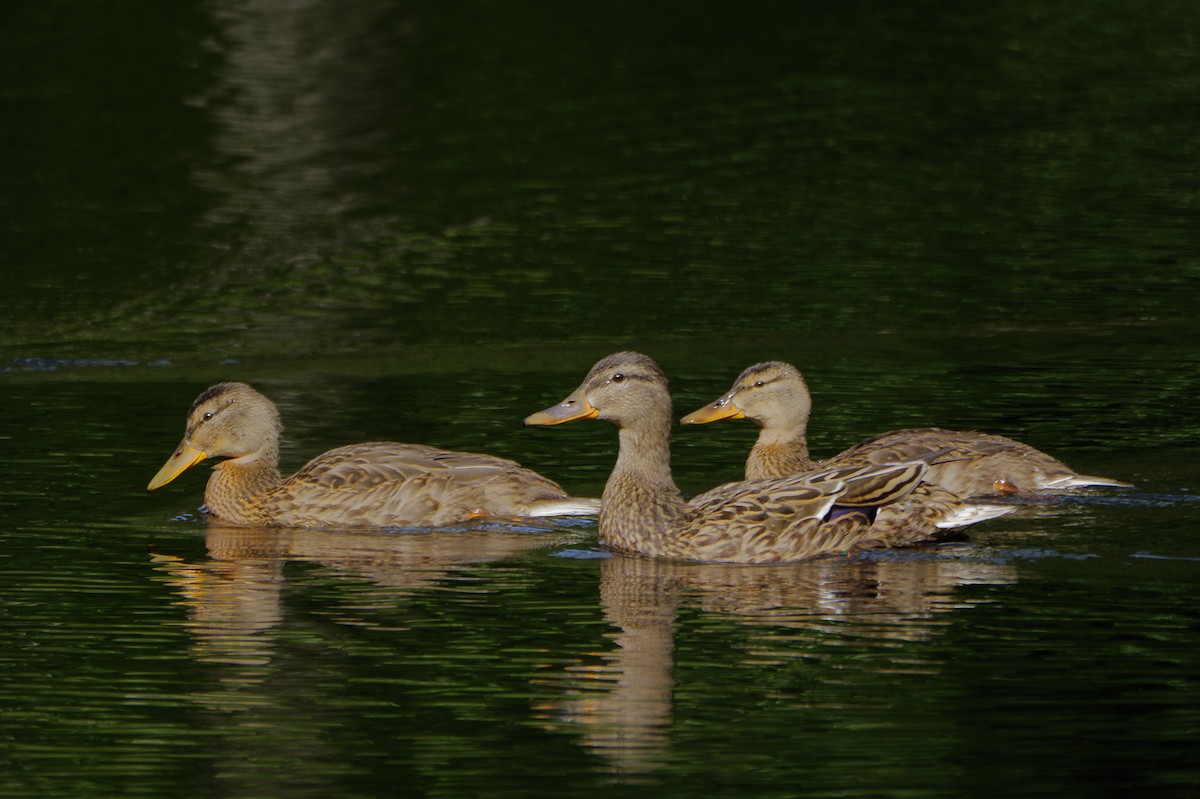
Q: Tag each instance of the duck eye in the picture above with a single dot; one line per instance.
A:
(759, 384)
(207, 416)
(618, 377)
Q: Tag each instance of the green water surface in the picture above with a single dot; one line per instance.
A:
(422, 221)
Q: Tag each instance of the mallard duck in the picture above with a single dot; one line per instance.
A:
(377, 484)
(793, 518)
(775, 397)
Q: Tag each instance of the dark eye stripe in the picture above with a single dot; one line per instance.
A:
(621, 377)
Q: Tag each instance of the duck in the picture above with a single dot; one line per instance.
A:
(774, 395)
(834, 511)
(374, 484)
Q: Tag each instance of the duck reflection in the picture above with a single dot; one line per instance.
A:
(623, 698)
(266, 674)
(236, 595)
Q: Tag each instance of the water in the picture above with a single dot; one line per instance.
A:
(402, 221)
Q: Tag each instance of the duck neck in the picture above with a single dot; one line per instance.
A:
(641, 503)
(779, 451)
(238, 487)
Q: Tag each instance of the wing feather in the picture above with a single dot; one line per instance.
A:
(384, 484)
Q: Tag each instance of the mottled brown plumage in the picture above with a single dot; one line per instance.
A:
(377, 484)
(775, 397)
(757, 521)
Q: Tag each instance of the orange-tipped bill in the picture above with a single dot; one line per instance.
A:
(573, 407)
(184, 458)
(721, 409)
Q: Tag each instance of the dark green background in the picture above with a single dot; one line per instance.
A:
(422, 221)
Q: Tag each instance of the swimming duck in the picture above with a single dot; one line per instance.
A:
(377, 484)
(775, 397)
(798, 517)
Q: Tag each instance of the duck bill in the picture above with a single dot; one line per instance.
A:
(573, 407)
(721, 409)
(184, 458)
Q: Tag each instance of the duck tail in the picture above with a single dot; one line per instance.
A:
(972, 513)
(1081, 480)
(570, 506)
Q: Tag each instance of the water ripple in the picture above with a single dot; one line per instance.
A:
(34, 364)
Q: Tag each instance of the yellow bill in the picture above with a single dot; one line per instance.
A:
(573, 407)
(721, 409)
(184, 458)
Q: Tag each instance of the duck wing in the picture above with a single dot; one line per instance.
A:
(823, 512)
(975, 464)
(384, 484)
